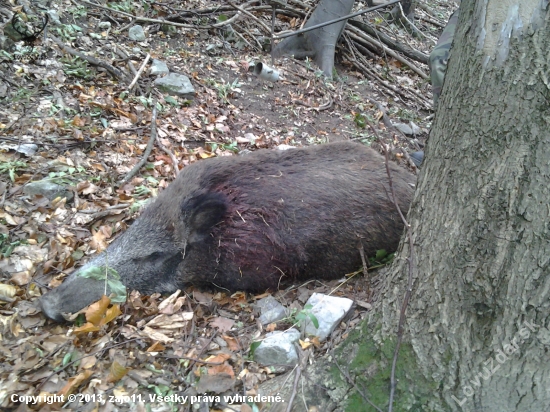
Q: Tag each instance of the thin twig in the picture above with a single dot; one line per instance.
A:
(80, 358)
(171, 155)
(92, 60)
(148, 149)
(138, 74)
(411, 260)
(326, 23)
(356, 33)
(257, 20)
(161, 21)
(411, 24)
(294, 388)
(363, 257)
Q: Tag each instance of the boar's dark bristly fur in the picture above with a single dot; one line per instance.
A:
(254, 222)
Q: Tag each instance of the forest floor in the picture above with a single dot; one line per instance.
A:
(69, 122)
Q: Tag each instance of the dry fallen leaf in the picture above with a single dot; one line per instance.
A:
(73, 384)
(116, 372)
(96, 311)
(156, 347)
(232, 343)
(223, 324)
(7, 292)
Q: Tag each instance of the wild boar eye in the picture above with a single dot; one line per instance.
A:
(151, 257)
(155, 255)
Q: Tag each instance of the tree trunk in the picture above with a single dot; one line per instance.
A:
(477, 320)
(319, 44)
(476, 329)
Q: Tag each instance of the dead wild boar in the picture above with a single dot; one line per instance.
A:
(252, 223)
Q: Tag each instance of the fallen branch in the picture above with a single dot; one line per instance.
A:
(359, 36)
(388, 41)
(284, 35)
(138, 74)
(171, 155)
(92, 60)
(257, 20)
(161, 21)
(118, 49)
(148, 149)
(396, 90)
(294, 388)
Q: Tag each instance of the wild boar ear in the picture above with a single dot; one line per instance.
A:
(202, 213)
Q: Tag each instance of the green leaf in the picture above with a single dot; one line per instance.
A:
(222, 17)
(360, 121)
(381, 254)
(253, 347)
(314, 320)
(171, 100)
(77, 254)
(116, 288)
(67, 358)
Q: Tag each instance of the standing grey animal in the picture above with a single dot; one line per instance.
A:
(253, 223)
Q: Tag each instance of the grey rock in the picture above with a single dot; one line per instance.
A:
(329, 311)
(159, 67)
(176, 85)
(104, 25)
(136, 33)
(271, 310)
(47, 189)
(278, 349)
(27, 148)
(54, 17)
(408, 129)
(403, 128)
(415, 128)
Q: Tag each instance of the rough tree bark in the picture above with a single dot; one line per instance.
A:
(318, 44)
(477, 326)
(478, 318)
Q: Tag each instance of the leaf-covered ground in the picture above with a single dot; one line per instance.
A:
(72, 123)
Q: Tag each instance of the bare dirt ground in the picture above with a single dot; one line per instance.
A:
(71, 122)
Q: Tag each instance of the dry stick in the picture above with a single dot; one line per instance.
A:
(430, 20)
(82, 357)
(244, 39)
(138, 74)
(405, 48)
(161, 21)
(126, 26)
(257, 20)
(410, 260)
(373, 42)
(363, 258)
(124, 55)
(171, 155)
(427, 105)
(92, 60)
(411, 24)
(148, 149)
(294, 388)
(273, 15)
(284, 35)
